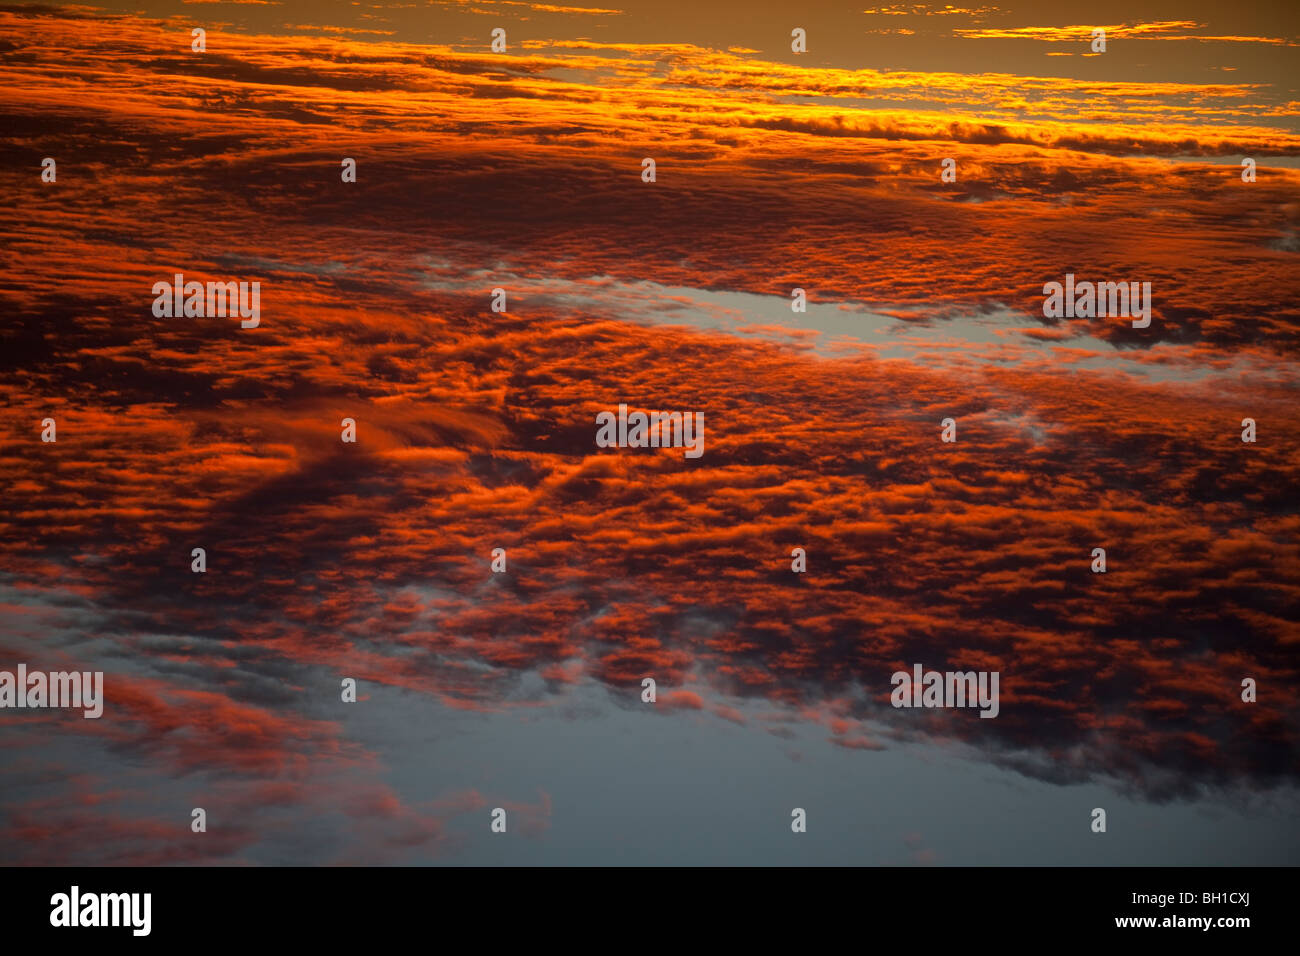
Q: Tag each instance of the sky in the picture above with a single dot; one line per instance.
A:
(476, 429)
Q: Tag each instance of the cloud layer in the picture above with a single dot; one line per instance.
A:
(476, 428)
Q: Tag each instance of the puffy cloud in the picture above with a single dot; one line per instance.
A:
(476, 428)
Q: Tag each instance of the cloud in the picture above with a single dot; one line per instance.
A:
(475, 429)
(1158, 30)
